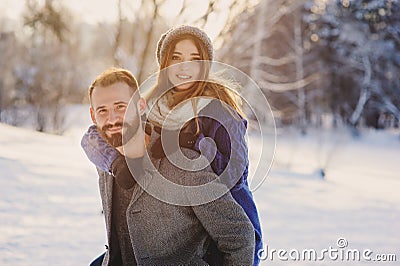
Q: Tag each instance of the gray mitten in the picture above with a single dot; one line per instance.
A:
(98, 150)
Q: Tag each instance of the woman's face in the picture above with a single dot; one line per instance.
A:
(183, 68)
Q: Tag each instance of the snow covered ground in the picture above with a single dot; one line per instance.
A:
(358, 200)
(51, 212)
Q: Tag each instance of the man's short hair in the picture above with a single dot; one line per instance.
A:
(111, 76)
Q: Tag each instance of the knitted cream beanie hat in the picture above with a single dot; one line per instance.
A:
(177, 32)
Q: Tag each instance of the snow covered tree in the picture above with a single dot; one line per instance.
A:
(360, 43)
(268, 44)
(321, 56)
(8, 45)
(50, 74)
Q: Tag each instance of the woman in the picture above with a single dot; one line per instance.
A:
(184, 55)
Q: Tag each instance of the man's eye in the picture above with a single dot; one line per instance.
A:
(101, 111)
(121, 107)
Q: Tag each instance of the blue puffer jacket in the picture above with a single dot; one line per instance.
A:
(211, 121)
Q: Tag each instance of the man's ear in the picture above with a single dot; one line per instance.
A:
(141, 106)
(92, 116)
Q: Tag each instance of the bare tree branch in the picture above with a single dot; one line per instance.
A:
(148, 39)
(263, 74)
(284, 60)
(118, 34)
(364, 93)
(290, 86)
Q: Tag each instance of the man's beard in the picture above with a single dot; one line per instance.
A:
(129, 131)
(115, 139)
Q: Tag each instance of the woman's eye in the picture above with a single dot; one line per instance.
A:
(175, 57)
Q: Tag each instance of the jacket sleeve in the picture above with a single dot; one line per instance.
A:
(237, 152)
(228, 130)
(122, 173)
(229, 227)
(231, 160)
(223, 218)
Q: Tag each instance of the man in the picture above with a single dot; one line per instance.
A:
(109, 96)
(142, 229)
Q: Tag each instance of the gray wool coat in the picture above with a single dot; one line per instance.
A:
(168, 234)
(106, 184)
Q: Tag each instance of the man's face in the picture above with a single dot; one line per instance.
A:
(109, 105)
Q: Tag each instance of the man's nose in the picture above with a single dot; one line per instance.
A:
(113, 117)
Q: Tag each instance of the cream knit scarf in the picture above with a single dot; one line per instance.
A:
(174, 119)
